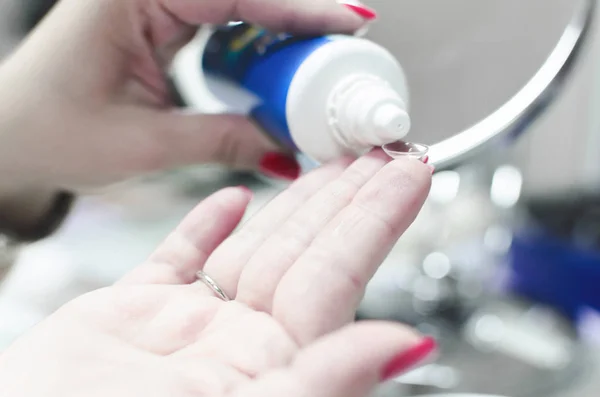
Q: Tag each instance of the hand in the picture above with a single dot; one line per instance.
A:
(296, 272)
(84, 101)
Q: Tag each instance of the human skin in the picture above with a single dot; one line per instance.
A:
(296, 272)
(84, 100)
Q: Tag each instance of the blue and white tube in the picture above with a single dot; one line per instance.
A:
(325, 96)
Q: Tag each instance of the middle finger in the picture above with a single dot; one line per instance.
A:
(270, 262)
(226, 263)
(321, 291)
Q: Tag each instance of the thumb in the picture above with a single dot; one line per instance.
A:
(348, 363)
(230, 140)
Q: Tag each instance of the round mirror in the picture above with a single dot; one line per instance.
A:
(468, 60)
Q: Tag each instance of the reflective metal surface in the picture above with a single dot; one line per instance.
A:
(516, 115)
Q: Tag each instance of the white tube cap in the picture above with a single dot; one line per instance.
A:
(365, 112)
(389, 122)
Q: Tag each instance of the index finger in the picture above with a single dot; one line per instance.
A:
(322, 290)
(294, 16)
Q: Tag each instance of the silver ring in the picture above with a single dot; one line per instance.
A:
(210, 283)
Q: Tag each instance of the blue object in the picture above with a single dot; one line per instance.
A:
(263, 63)
(554, 271)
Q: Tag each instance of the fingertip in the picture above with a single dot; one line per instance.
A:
(235, 195)
(361, 355)
(414, 171)
(280, 166)
(396, 334)
(322, 18)
(246, 191)
(349, 24)
(400, 348)
(230, 202)
(409, 358)
(361, 10)
(346, 20)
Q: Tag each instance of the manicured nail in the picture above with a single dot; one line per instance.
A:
(431, 168)
(281, 166)
(409, 359)
(425, 159)
(363, 11)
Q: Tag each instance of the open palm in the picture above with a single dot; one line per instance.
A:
(296, 273)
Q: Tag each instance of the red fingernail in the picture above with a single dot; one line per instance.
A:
(408, 359)
(425, 160)
(363, 11)
(431, 168)
(280, 166)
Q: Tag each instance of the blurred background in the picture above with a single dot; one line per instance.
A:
(502, 265)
